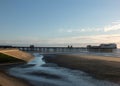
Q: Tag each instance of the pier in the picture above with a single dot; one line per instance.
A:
(47, 49)
(89, 48)
(51, 49)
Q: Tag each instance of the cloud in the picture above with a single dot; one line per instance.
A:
(75, 41)
(112, 27)
(116, 22)
(86, 40)
(79, 30)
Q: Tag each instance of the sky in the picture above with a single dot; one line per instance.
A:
(59, 22)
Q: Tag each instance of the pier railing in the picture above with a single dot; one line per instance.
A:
(57, 49)
(51, 49)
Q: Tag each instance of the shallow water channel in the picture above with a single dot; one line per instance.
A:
(39, 73)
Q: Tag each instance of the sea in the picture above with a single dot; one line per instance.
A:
(39, 73)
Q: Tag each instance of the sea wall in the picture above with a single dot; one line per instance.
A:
(17, 54)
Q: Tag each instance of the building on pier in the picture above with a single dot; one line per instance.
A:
(102, 47)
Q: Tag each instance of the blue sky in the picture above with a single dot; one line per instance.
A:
(59, 22)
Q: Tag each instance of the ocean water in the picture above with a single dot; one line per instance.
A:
(39, 73)
(115, 53)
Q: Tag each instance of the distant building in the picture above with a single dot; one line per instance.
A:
(102, 47)
(109, 46)
(31, 46)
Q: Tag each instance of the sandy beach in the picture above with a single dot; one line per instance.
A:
(100, 67)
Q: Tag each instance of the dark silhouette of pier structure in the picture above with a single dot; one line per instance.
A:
(47, 49)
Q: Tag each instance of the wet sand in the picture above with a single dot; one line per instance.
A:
(100, 67)
(7, 80)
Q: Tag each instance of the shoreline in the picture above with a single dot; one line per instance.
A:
(100, 67)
